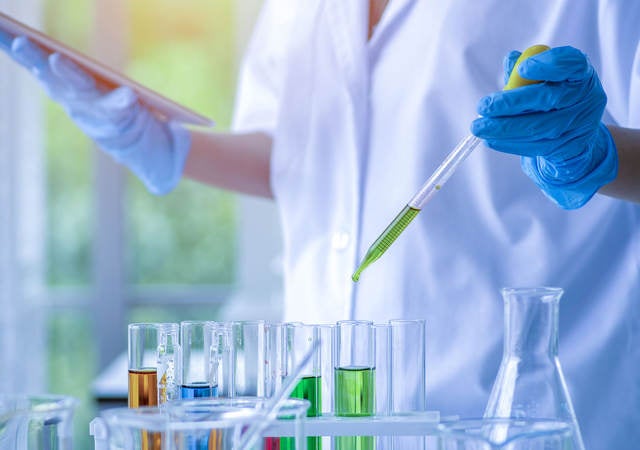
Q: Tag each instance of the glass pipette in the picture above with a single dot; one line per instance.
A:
(438, 178)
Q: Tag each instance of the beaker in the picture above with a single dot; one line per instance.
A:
(505, 434)
(36, 422)
(354, 378)
(219, 423)
(530, 383)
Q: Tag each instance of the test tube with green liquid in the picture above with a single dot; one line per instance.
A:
(354, 378)
(300, 339)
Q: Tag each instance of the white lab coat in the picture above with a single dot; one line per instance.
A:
(358, 127)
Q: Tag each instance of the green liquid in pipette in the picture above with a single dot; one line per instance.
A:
(355, 397)
(308, 388)
(388, 236)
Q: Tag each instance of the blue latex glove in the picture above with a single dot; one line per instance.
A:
(554, 125)
(153, 149)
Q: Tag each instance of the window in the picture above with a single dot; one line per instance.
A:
(109, 253)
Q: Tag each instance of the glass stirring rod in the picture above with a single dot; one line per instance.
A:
(438, 178)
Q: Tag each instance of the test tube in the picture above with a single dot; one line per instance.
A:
(382, 336)
(249, 359)
(408, 375)
(217, 340)
(275, 361)
(143, 365)
(354, 378)
(326, 333)
(299, 339)
(196, 361)
(408, 366)
(153, 353)
(169, 362)
(327, 336)
(196, 379)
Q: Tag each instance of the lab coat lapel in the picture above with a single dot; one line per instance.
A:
(348, 28)
(392, 16)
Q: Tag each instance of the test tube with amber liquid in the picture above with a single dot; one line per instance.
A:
(145, 341)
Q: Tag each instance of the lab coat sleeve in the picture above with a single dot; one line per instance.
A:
(262, 69)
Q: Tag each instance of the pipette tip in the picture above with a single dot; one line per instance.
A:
(363, 265)
(356, 275)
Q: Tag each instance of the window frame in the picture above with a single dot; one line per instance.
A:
(258, 233)
(22, 234)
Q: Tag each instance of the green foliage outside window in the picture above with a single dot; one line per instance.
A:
(186, 50)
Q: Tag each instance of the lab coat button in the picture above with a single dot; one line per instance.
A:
(340, 240)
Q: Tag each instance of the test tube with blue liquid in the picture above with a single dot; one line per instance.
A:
(354, 378)
(197, 377)
(197, 380)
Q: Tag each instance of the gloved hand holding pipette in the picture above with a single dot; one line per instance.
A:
(553, 120)
(153, 149)
(555, 126)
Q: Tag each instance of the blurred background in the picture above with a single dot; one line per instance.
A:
(84, 249)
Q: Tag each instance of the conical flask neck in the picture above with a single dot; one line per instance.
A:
(531, 322)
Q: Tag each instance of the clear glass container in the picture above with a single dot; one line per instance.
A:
(202, 424)
(36, 422)
(530, 383)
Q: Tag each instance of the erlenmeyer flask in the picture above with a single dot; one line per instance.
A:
(530, 383)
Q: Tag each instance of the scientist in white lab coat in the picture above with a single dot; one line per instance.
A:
(345, 108)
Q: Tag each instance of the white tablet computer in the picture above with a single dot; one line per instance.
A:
(105, 76)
